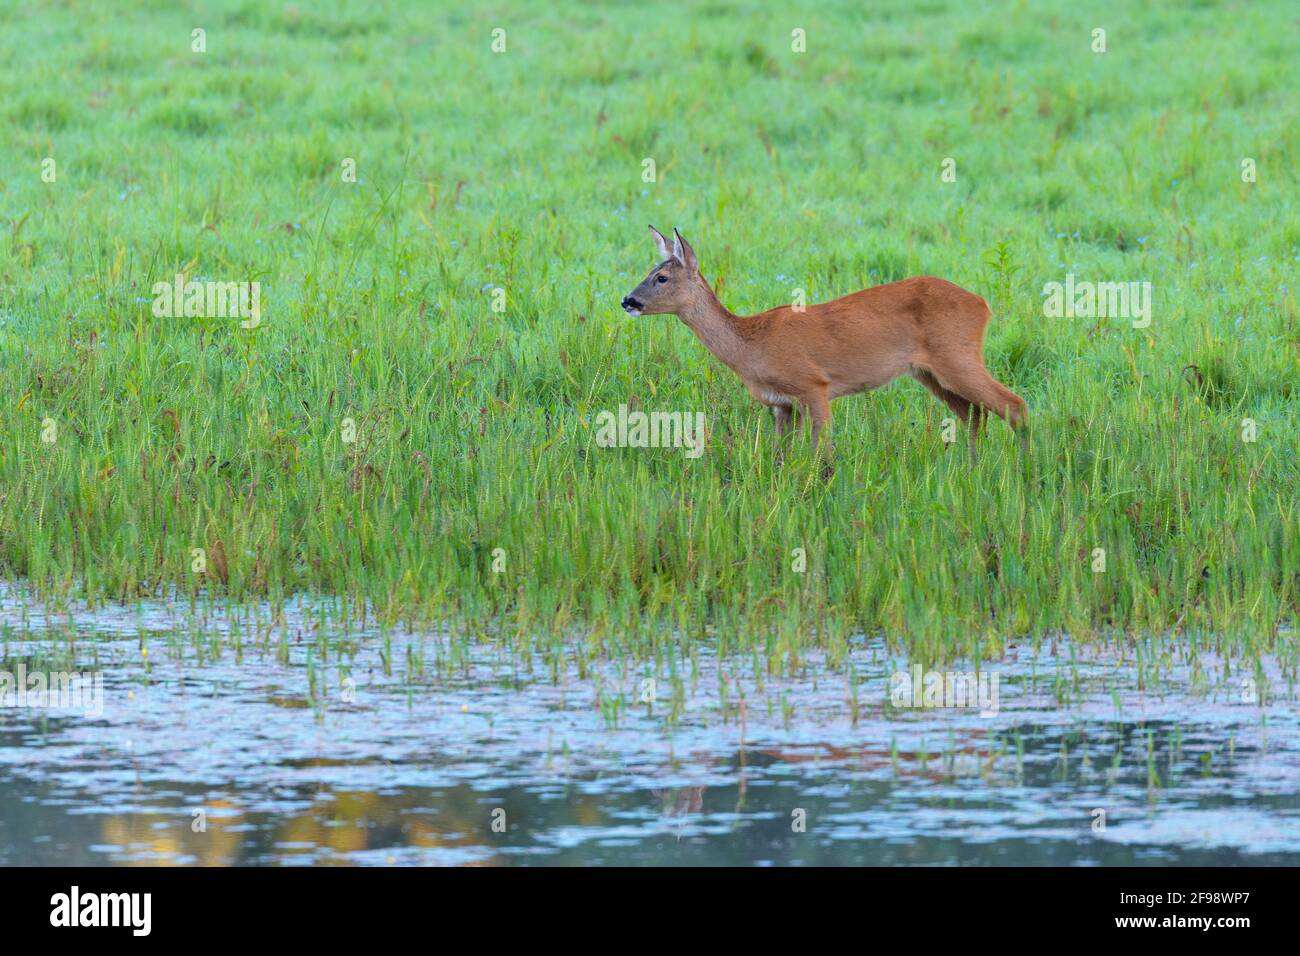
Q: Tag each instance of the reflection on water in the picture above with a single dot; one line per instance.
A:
(257, 741)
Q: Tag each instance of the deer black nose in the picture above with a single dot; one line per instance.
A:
(630, 303)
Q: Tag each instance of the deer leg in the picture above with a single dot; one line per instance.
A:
(781, 415)
(967, 412)
(817, 408)
(959, 405)
(981, 389)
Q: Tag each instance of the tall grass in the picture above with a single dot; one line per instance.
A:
(522, 170)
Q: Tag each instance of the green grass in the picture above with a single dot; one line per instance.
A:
(522, 170)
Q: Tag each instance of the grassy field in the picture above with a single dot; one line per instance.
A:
(522, 171)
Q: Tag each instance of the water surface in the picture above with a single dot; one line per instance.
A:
(253, 740)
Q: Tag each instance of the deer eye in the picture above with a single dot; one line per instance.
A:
(661, 278)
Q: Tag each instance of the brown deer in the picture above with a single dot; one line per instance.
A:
(794, 359)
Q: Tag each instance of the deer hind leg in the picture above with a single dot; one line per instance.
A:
(974, 383)
(959, 405)
(966, 411)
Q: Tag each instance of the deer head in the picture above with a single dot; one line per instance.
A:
(673, 286)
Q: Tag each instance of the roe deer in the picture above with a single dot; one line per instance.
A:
(800, 360)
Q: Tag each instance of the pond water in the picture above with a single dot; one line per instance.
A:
(427, 751)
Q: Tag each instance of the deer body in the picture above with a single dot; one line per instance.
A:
(800, 360)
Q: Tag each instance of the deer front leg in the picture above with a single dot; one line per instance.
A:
(781, 415)
(817, 407)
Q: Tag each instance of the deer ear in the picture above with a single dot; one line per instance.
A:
(684, 253)
(661, 244)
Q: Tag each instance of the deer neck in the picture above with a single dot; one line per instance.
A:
(716, 328)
